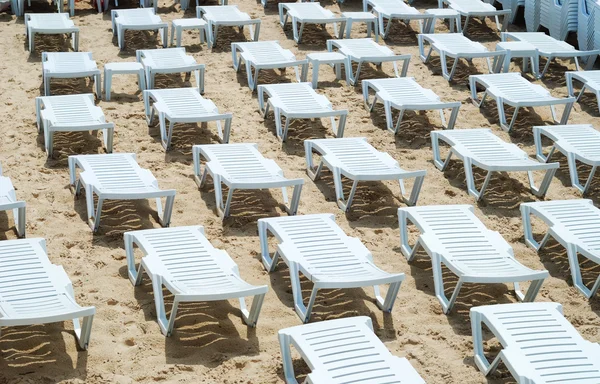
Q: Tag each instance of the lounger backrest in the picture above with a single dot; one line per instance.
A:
(308, 10)
(223, 13)
(576, 220)
(403, 90)
(344, 348)
(355, 154)
(456, 233)
(135, 15)
(580, 138)
(182, 101)
(48, 20)
(456, 42)
(362, 48)
(68, 61)
(393, 7)
(295, 96)
(482, 145)
(27, 285)
(238, 161)
(512, 86)
(541, 41)
(470, 5)
(185, 255)
(318, 241)
(70, 109)
(116, 171)
(163, 58)
(264, 52)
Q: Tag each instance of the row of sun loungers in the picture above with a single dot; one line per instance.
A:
(298, 246)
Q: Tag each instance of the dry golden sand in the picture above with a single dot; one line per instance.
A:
(210, 343)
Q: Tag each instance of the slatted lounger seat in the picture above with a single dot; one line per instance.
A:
(241, 166)
(406, 94)
(183, 105)
(356, 159)
(298, 101)
(69, 65)
(170, 60)
(455, 46)
(259, 55)
(34, 291)
(307, 13)
(226, 16)
(116, 176)
(361, 51)
(343, 351)
(9, 202)
(453, 236)
(471, 9)
(551, 48)
(590, 81)
(50, 24)
(577, 142)
(394, 10)
(71, 113)
(185, 262)
(539, 346)
(317, 247)
(482, 149)
(514, 90)
(143, 19)
(575, 225)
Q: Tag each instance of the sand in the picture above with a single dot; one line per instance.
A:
(211, 344)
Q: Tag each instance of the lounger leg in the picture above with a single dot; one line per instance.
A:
(108, 138)
(408, 251)
(227, 132)
(286, 357)
(302, 310)
(292, 209)
(464, 28)
(595, 288)
(251, 317)
(396, 128)
(472, 189)
(268, 262)
(19, 216)
(544, 185)
(166, 325)
(438, 281)
(83, 333)
(49, 142)
(437, 159)
(93, 215)
(339, 132)
(225, 211)
(576, 271)
(502, 116)
(387, 304)
(46, 80)
(414, 194)
(532, 292)
(453, 117)
(566, 113)
(164, 218)
(353, 79)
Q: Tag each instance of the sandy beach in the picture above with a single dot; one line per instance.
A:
(211, 344)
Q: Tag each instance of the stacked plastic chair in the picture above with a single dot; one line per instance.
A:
(559, 16)
(586, 22)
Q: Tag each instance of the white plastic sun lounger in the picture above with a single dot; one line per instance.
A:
(539, 345)
(298, 101)
(71, 113)
(169, 60)
(185, 262)
(513, 5)
(394, 10)
(317, 247)
(183, 105)
(514, 90)
(577, 142)
(357, 160)
(453, 236)
(241, 166)
(259, 55)
(551, 48)
(34, 291)
(307, 13)
(406, 94)
(50, 24)
(455, 46)
(471, 9)
(366, 51)
(116, 176)
(69, 65)
(8, 202)
(343, 351)
(482, 149)
(589, 79)
(226, 16)
(575, 225)
(142, 19)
